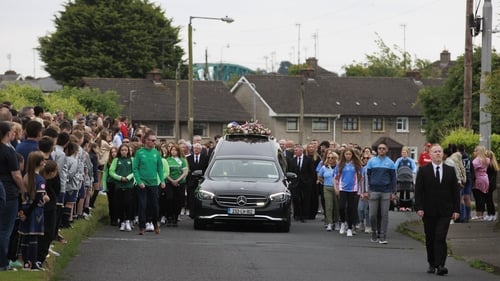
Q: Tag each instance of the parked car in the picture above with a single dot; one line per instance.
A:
(244, 182)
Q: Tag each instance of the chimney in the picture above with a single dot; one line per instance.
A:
(312, 63)
(154, 75)
(308, 73)
(444, 58)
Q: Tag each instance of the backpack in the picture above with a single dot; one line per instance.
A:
(404, 173)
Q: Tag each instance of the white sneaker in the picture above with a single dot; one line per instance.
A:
(494, 218)
(187, 212)
(329, 227)
(122, 226)
(127, 226)
(349, 233)
(149, 227)
(337, 226)
(342, 228)
(163, 220)
(368, 229)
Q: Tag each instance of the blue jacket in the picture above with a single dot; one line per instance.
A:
(381, 173)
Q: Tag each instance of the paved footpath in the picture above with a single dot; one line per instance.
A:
(476, 240)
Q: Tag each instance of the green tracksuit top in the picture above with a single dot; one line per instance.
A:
(122, 167)
(148, 167)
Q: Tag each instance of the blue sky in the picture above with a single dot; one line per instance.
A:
(267, 32)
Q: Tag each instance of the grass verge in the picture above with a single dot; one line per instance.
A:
(80, 231)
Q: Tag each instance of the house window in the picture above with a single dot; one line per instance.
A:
(402, 124)
(351, 124)
(413, 152)
(378, 124)
(320, 124)
(165, 129)
(423, 123)
(292, 124)
(200, 128)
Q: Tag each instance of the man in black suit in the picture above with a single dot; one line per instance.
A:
(196, 161)
(437, 201)
(302, 186)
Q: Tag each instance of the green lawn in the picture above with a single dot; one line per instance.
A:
(81, 230)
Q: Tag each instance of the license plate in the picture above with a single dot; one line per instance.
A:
(238, 211)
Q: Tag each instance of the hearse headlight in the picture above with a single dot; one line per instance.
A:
(205, 195)
(279, 197)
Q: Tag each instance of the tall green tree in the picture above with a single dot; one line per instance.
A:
(443, 105)
(110, 38)
(387, 62)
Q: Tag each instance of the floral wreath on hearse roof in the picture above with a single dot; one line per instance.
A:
(249, 128)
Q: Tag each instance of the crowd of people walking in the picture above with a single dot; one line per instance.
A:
(52, 170)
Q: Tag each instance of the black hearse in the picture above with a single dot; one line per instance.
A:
(244, 182)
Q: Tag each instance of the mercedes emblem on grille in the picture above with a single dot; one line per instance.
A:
(241, 200)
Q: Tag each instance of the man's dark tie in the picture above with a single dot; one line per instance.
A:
(299, 164)
(438, 175)
(196, 159)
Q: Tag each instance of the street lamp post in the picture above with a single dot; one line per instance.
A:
(130, 97)
(190, 70)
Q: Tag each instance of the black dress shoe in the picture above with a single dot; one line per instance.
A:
(441, 270)
(431, 269)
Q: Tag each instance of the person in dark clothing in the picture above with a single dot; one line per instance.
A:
(302, 186)
(196, 161)
(437, 200)
(52, 189)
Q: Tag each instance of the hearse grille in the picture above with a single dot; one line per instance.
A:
(241, 200)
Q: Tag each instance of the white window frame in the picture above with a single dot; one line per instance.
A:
(413, 152)
(402, 125)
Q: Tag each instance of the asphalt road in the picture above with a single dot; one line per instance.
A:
(255, 253)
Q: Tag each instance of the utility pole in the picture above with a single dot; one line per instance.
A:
(301, 110)
(469, 21)
(404, 45)
(177, 129)
(298, 47)
(484, 116)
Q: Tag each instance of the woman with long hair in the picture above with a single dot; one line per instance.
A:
(108, 186)
(31, 227)
(481, 182)
(121, 171)
(326, 178)
(176, 184)
(348, 181)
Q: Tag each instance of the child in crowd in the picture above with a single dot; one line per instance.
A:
(122, 173)
(52, 188)
(31, 215)
(108, 186)
(73, 184)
